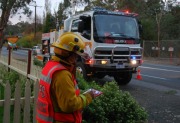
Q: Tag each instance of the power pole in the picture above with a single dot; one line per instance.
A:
(35, 18)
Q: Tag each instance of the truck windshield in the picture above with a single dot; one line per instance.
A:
(115, 27)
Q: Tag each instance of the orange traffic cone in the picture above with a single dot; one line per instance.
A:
(138, 77)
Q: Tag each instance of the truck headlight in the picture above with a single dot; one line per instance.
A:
(133, 62)
(103, 62)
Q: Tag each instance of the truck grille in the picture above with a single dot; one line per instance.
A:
(118, 54)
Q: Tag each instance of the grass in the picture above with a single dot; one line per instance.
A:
(171, 92)
(1, 97)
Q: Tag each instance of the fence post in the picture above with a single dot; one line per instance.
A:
(9, 59)
(29, 62)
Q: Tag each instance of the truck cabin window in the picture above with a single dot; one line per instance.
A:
(82, 26)
(115, 27)
(75, 25)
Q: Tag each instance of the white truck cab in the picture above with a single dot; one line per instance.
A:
(112, 39)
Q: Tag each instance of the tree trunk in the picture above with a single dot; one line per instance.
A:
(1, 39)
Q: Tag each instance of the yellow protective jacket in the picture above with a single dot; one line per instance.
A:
(63, 94)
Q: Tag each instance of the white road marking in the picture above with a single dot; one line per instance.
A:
(154, 77)
(161, 69)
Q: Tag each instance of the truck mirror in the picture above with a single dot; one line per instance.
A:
(80, 26)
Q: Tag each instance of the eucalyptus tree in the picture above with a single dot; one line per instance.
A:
(11, 8)
(157, 9)
(61, 9)
(68, 8)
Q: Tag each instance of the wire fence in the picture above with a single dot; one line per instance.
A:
(167, 49)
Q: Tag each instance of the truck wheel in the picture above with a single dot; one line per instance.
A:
(99, 75)
(123, 78)
(80, 69)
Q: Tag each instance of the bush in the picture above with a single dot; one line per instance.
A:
(26, 41)
(12, 77)
(38, 63)
(114, 106)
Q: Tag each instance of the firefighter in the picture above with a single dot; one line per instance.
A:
(59, 99)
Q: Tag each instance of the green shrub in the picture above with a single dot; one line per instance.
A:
(38, 63)
(114, 106)
(12, 77)
(26, 41)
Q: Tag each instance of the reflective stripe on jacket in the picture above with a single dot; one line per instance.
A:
(45, 111)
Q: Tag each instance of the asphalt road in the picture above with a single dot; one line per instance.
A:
(155, 76)
(16, 54)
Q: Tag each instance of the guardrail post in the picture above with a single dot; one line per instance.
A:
(9, 59)
(29, 62)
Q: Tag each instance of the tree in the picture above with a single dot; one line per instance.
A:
(60, 15)
(47, 24)
(8, 8)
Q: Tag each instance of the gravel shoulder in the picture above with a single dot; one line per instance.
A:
(162, 107)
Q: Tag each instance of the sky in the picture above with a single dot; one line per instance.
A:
(39, 10)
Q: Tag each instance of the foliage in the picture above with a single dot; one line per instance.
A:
(12, 77)
(11, 7)
(61, 17)
(148, 26)
(50, 23)
(28, 41)
(113, 106)
(38, 63)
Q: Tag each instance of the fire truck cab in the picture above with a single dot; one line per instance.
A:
(112, 40)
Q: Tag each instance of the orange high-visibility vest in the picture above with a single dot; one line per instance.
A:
(45, 112)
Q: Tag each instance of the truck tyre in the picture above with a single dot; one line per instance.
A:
(81, 69)
(99, 75)
(123, 78)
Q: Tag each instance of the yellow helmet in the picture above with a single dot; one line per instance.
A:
(70, 42)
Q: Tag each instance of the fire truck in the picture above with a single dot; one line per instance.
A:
(112, 40)
(46, 49)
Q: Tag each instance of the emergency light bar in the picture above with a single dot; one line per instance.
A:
(126, 12)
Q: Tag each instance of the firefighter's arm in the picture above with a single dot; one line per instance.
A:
(64, 89)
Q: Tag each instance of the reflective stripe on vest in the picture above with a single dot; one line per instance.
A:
(45, 111)
(48, 119)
